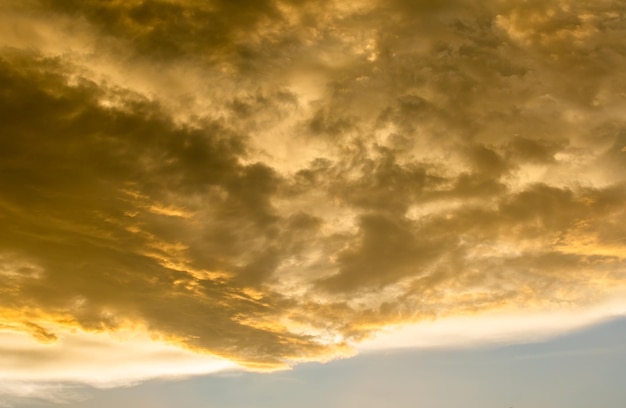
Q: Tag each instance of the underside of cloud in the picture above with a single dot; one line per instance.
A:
(273, 182)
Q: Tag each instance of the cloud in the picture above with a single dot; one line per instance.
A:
(99, 359)
(274, 183)
(99, 220)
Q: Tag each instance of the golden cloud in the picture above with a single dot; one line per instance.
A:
(273, 182)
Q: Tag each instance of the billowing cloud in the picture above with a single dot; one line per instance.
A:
(275, 182)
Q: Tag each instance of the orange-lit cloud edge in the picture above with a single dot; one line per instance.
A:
(191, 187)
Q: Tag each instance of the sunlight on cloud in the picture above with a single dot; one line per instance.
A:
(200, 186)
(513, 326)
(99, 359)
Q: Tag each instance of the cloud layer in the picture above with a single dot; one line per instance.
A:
(274, 182)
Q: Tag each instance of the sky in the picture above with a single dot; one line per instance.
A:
(244, 195)
(578, 370)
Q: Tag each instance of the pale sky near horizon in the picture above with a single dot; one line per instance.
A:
(194, 187)
(582, 369)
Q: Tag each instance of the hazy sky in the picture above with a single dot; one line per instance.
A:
(216, 186)
(580, 370)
